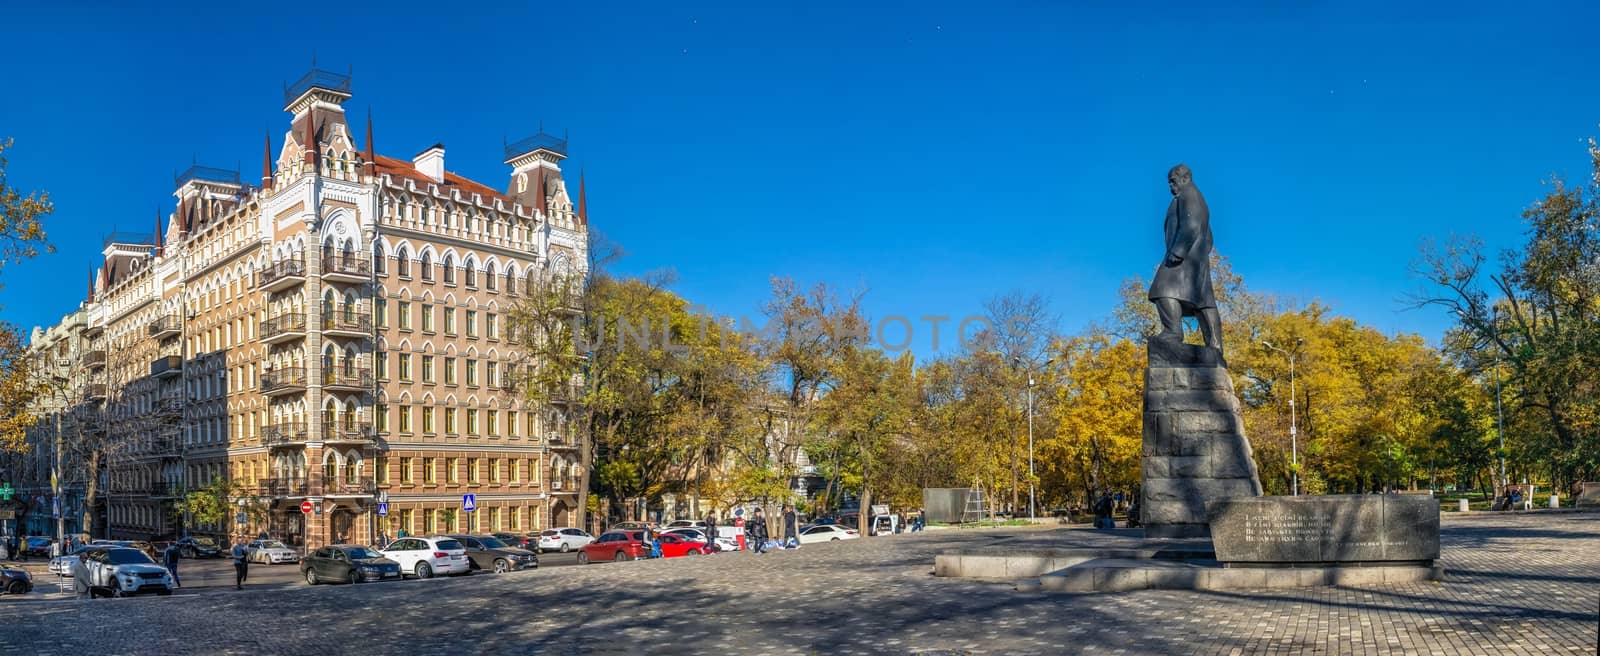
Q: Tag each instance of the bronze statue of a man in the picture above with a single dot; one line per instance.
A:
(1182, 286)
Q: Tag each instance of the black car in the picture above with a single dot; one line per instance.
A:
(15, 580)
(199, 546)
(518, 541)
(488, 552)
(349, 563)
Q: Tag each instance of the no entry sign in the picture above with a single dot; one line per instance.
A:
(305, 506)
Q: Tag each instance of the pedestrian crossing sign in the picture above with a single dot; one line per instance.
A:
(469, 502)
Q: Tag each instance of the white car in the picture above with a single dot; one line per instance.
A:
(271, 552)
(122, 572)
(424, 557)
(685, 523)
(724, 543)
(827, 533)
(563, 539)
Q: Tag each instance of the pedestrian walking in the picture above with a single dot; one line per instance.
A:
(756, 528)
(22, 547)
(170, 559)
(791, 525)
(711, 532)
(241, 566)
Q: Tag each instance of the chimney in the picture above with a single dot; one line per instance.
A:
(430, 162)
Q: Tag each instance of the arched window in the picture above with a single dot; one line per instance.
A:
(469, 273)
(511, 281)
(427, 267)
(352, 468)
(327, 305)
(402, 264)
(448, 264)
(329, 415)
(488, 277)
(330, 467)
(350, 416)
(349, 361)
(378, 265)
(349, 307)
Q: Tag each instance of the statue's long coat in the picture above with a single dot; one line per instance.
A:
(1189, 237)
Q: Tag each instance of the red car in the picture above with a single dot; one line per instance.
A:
(614, 545)
(673, 546)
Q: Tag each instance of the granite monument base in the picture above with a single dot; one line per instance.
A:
(1335, 529)
(1195, 449)
(1588, 496)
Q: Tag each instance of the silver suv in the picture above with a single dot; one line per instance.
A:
(120, 572)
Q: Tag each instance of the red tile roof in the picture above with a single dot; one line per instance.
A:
(403, 169)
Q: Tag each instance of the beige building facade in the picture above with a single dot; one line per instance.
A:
(337, 338)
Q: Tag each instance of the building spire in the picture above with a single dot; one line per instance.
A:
(266, 162)
(160, 243)
(583, 201)
(370, 167)
(91, 284)
(310, 139)
(538, 191)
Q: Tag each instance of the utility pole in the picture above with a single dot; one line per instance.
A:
(1294, 440)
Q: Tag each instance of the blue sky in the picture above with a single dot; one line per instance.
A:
(932, 155)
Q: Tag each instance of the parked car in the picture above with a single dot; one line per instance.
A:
(614, 545)
(631, 526)
(39, 545)
(122, 572)
(271, 552)
(684, 523)
(674, 545)
(64, 565)
(528, 542)
(15, 580)
(487, 552)
(199, 546)
(724, 543)
(563, 539)
(827, 533)
(424, 557)
(348, 563)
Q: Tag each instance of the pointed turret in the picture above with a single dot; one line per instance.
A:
(266, 163)
(309, 141)
(583, 201)
(91, 285)
(160, 243)
(371, 164)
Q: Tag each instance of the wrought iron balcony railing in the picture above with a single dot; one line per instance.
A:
(289, 378)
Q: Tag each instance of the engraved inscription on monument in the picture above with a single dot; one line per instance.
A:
(1283, 527)
(1325, 529)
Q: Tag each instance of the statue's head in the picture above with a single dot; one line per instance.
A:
(1178, 178)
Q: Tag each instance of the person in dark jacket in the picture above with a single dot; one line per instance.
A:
(170, 559)
(791, 526)
(756, 529)
(711, 532)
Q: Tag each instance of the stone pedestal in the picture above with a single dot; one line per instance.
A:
(1348, 528)
(1195, 449)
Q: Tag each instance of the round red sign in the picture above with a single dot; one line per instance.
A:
(305, 506)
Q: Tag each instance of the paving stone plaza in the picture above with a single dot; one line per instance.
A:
(1523, 584)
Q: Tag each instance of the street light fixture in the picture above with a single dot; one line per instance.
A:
(1032, 505)
(1294, 439)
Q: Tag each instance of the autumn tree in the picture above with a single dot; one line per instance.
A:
(21, 237)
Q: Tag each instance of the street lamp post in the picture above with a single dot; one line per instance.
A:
(1032, 505)
(1294, 439)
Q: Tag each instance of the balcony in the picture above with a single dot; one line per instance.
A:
(283, 328)
(561, 442)
(165, 490)
(283, 434)
(94, 359)
(346, 268)
(167, 444)
(282, 275)
(95, 392)
(290, 380)
(354, 379)
(282, 487)
(347, 432)
(349, 486)
(166, 366)
(347, 323)
(164, 327)
(167, 408)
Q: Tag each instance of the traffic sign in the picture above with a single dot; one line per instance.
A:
(383, 509)
(305, 506)
(469, 502)
(242, 519)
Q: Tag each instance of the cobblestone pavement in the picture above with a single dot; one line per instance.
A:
(1526, 584)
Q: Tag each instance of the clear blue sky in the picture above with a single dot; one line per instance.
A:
(933, 155)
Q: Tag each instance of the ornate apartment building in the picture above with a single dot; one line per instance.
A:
(336, 338)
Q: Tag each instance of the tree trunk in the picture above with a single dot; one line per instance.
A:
(864, 517)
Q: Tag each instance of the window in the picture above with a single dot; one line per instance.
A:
(497, 470)
(427, 368)
(472, 421)
(471, 275)
(451, 471)
(402, 265)
(491, 369)
(472, 470)
(489, 279)
(381, 468)
(449, 267)
(380, 312)
(428, 524)
(381, 359)
(427, 421)
(427, 318)
(450, 420)
(511, 423)
(516, 471)
(430, 471)
(406, 518)
(427, 267)
(405, 419)
(491, 326)
(378, 264)
(472, 373)
(405, 366)
(449, 371)
(449, 321)
(533, 472)
(472, 323)
(532, 425)
(381, 424)
(491, 423)
(405, 315)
